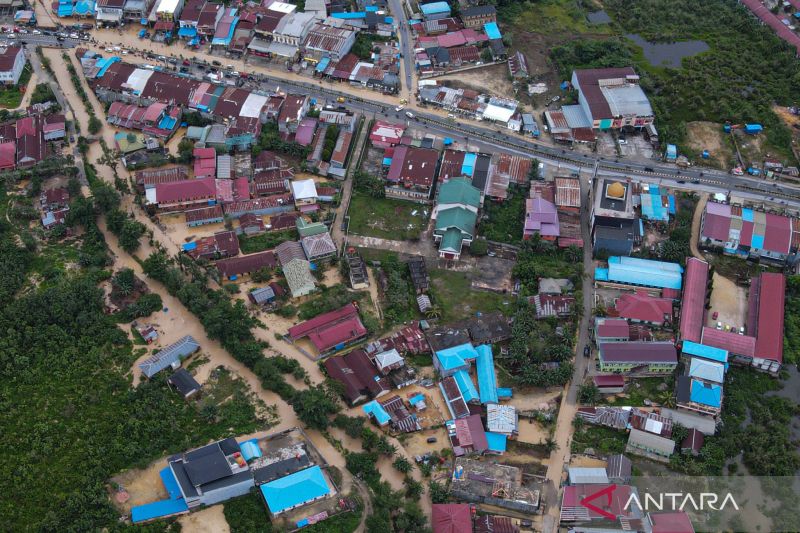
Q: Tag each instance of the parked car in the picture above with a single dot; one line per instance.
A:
(187, 63)
(431, 440)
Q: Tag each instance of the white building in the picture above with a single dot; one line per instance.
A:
(12, 61)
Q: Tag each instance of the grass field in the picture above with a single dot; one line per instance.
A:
(550, 17)
(11, 97)
(386, 218)
(452, 292)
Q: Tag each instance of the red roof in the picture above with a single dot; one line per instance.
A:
(451, 518)
(186, 190)
(760, 11)
(614, 328)
(413, 166)
(246, 264)
(769, 332)
(358, 375)
(8, 154)
(693, 306)
(589, 81)
(644, 308)
(332, 328)
(727, 340)
(471, 435)
(674, 522)
(778, 233)
(614, 503)
(614, 380)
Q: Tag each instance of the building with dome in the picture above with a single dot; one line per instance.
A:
(615, 227)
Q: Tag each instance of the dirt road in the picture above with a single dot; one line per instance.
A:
(696, 219)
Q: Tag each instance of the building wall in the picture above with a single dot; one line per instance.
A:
(408, 194)
(11, 77)
(659, 368)
(226, 493)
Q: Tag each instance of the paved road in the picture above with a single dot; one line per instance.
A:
(405, 42)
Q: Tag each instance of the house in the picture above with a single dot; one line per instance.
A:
(288, 251)
(318, 247)
(205, 162)
(307, 229)
(693, 301)
(54, 127)
(769, 308)
(568, 194)
(619, 469)
(478, 481)
(649, 357)
(488, 328)
(467, 435)
(450, 360)
(455, 217)
(304, 192)
(356, 270)
(385, 134)
(419, 274)
(611, 330)
(220, 245)
(412, 173)
(269, 182)
(236, 267)
(587, 476)
(749, 233)
(304, 135)
(693, 442)
(268, 205)
(610, 384)
(518, 65)
(435, 10)
(502, 419)
(388, 361)
(555, 286)
(650, 445)
(184, 383)
(250, 224)
(477, 16)
(295, 490)
(611, 98)
(359, 377)
(204, 215)
(211, 474)
(328, 41)
(541, 218)
(147, 179)
(552, 305)
(54, 218)
(456, 405)
(640, 307)
(262, 295)
(283, 221)
(12, 62)
(292, 111)
(615, 227)
(55, 198)
(573, 509)
(299, 277)
(169, 356)
(697, 395)
(331, 331)
(447, 336)
(633, 271)
(451, 518)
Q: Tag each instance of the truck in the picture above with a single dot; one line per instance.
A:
(753, 129)
(754, 171)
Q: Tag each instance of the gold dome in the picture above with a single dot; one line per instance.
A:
(615, 190)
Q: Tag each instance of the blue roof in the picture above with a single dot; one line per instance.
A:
(747, 214)
(706, 393)
(487, 380)
(671, 200)
(757, 242)
(435, 7)
(387, 161)
(189, 246)
(149, 511)
(323, 64)
(349, 16)
(371, 9)
(496, 441)
(672, 150)
(504, 392)
(375, 409)
(492, 31)
(707, 370)
(416, 398)
(225, 41)
(250, 449)
(456, 356)
(388, 20)
(601, 274)
(706, 352)
(104, 63)
(645, 272)
(465, 385)
(187, 31)
(468, 166)
(295, 489)
(170, 483)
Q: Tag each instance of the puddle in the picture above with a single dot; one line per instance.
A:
(668, 54)
(598, 17)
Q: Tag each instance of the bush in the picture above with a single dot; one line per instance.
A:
(94, 125)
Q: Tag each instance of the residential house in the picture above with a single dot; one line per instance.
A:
(628, 272)
(568, 194)
(640, 307)
(455, 217)
(318, 247)
(609, 384)
(331, 331)
(299, 277)
(650, 445)
(518, 65)
(236, 267)
(12, 63)
(184, 383)
(293, 110)
(694, 298)
(419, 274)
(250, 224)
(619, 469)
(647, 357)
(611, 98)
(386, 135)
(412, 173)
(54, 127)
(451, 518)
(541, 219)
(328, 41)
(477, 16)
(693, 442)
(262, 295)
(304, 192)
(552, 305)
(169, 356)
(181, 195)
(615, 227)
(360, 379)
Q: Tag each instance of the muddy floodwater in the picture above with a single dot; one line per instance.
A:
(668, 54)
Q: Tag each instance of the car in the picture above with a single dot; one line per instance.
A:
(184, 69)
(229, 67)
(491, 254)
(341, 99)
(409, 114)
(216, 63)
(72, 138)
(649, 169)
(399, 108)
(682, 182)
(186, 63)
(37, 32)
(162, 58)
(714, 315)
(623, 141)
(695, 182)
(587, 351)
(719, 325)
(431, 440)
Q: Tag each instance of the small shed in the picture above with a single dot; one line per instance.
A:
(610, 384)
(183, 382)
(170, 355)
(262, 295)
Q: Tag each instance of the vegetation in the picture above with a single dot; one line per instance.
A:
(399, 299)
(331, 135)
(94, 124)
(505, 219)
(265, 241)
(601, 439)
(270, 140)
(368, 184)
(42, 93)
(11, 96)
(542, 259)
(127, 230)
(385, 218)
(791, 325)
(329, 298)
(452, 292)
(247, 514)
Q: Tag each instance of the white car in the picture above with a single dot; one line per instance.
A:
(37, 32)
(399, 108)
(109, 50)
(623, 141)
(409, 114)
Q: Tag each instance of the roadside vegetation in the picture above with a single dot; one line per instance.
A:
(791, 326)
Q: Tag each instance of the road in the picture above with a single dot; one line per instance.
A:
(401, 23)
(569, 402)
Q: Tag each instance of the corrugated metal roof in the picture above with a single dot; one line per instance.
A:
(295, 489)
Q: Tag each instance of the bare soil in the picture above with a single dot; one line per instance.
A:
(207, 520)
(730, 301)
(493, 79)
(532, 432)
(709, 136)
(143, 486)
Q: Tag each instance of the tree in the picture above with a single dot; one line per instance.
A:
(313, 406)
(573, 254)
(439, 493)
(479, 247)
(124, 281)
(185, 151)
(94, 124)
(486, 55)
(588, 394)
(105, 197)
(402, 465)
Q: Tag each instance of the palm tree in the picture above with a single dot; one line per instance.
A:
(433, 312)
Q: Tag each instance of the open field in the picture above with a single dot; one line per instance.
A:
(709, 136)
(386, 218)
(454, 295)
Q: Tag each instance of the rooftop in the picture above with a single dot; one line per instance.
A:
(295, 489)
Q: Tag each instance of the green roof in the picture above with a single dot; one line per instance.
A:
(307, 229)
(459, 191)
(451, 241)
(456, 217)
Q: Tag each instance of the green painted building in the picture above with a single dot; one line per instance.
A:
(456, 215)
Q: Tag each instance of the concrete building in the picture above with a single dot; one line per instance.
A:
(12, 62)
(615, 227)
(611, 98)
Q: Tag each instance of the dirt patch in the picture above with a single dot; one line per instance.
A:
(209, 520)
(492, 79)
(587, 462)
(729, 301)
(143, 486)
(709, 136)
(417, 443)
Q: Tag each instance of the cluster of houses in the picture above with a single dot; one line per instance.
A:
(54, 206)
(553, 212)
(26, 142)
(285, 469)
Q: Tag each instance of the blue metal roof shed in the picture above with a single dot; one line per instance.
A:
(706, 352)
(160, 509)
(644, 272)
(706, 393)
(707, 370)
(465, 385)
(295, 490)
(377, 411)
(455, 357)
(492, 30)
(496, 441)
(487, 380)
(435, 8)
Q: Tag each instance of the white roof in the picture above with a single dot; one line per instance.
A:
(497, 113)
(253, 105)
(168, 6)
(501, 418)
(627, 100)
(587, 476)
(138, 79)
(653, 426)
(304, 189)
(150, 195)
(282, 7)
(388, 358)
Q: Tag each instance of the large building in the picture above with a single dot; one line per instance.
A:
(412, 173)
(615, 228)
(645, 357)
(611, 98)
(456, 215)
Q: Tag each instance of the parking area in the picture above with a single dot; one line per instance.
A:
(635, 146)
(606, 146)
(728, 304)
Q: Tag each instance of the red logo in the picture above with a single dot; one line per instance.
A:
(607, 492)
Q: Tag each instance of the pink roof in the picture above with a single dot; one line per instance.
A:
(241, 189)
(643, 307)
(726, 340)
(541, 216)
(305, 131)
(778, 233)
(618, 496)
(8, 154)
(26, 126)
(717, 221)
(614, 328)
(224, 190)
(694, 299)
(470, 433)
(384, 132)
(186, 190)
(451, 518)
(769, 333)
(449, 40)
(329, 329)
(674, 522)
(205, 153)
(154, 111)
(614, 380)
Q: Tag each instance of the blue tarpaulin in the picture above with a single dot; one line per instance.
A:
(496, 442)
(371, 9)
(323, 64)
(388, 20)
(187, 31)
(143, 22)
(468, 166)
(142, 33)
(487, 380)
(189, 246)
(504, 393)
(387, 161)
(250, 449)
(149, 511)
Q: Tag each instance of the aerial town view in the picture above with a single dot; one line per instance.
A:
(443, 266)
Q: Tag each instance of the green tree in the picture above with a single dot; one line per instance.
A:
(124, 281)
(439, 493)
(94, 124)
(588, 394)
